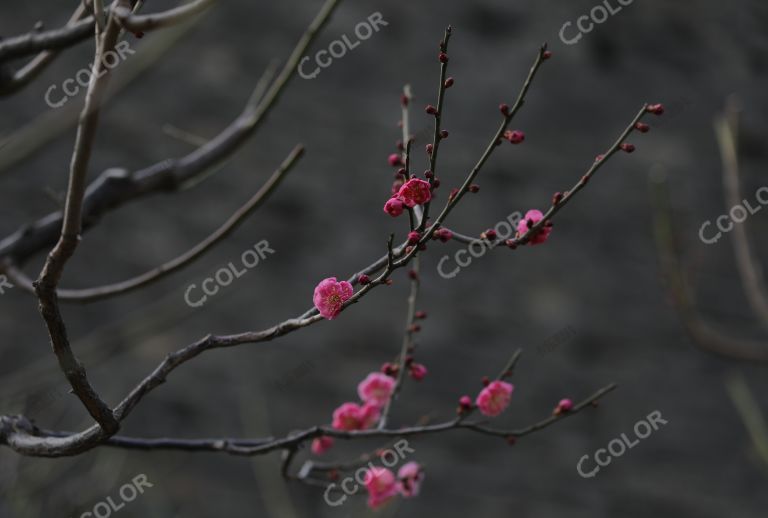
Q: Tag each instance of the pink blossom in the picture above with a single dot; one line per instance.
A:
(351, 416)
(322, 444)
(394, 207)
(418, 371)
(376, 388)
(411, 476)
(531, 218)
(415, 192)
(494, 398)
(330, 296)
(381, 485)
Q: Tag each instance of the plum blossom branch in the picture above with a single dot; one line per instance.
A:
(250, 447)
(508, 115)
(23, 437)
(560, 200)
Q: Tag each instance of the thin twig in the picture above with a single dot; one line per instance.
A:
(436, 138)
(138, 23)
(568, 196)
(407, 346)
(25, 75)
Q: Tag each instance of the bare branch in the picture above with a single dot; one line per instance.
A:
(147, 22)
(116, 187)
(102, 292)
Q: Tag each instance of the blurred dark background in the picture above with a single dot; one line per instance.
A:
(598, 274)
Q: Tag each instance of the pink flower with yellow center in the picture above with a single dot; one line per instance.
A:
(330, 296)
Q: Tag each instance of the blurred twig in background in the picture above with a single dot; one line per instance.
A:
(750, 414)
(674, 268)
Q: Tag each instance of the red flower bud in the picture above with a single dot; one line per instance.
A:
(656, 109)
(418, 371)
(515, 137)
(395, 160)
(628, 148)
(489, 235)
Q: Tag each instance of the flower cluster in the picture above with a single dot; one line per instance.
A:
(374, 391)
(411, 193)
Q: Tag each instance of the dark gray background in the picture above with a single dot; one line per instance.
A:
(598, 272)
